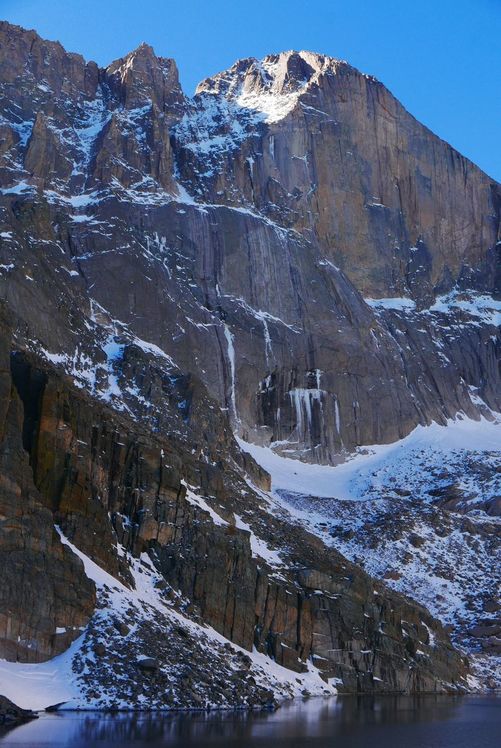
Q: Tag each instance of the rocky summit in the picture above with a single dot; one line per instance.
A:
(249, 387)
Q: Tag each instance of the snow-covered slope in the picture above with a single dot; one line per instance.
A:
(102, 669)
(375, 468)
(422, 514)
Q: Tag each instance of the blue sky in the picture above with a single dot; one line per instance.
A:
(441, 58)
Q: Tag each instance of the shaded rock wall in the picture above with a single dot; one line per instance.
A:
(239, 231)
(106, 480)
(45, 596)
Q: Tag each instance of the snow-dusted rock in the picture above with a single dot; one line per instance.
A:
(276, 257)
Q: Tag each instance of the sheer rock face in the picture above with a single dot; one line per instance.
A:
(338, 158)
(105, 479)
(194, 267)
(45, 597)
(141, 79)
(241, 229)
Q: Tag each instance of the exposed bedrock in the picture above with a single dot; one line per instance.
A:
(281, 338)
(240, 230)
(45, 596)
(288, 255)
(102, 479)
(337, 157)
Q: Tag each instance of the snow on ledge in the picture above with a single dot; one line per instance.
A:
(483, 306)
(347, 481)
(400, 302)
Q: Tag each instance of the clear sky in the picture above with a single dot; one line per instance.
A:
(441, 58)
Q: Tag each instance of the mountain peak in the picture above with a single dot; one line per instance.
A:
(141, 76)
(274, 83)
(282, 73)
(143, 49)
(179, 272)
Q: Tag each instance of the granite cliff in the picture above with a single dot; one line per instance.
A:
(288, 257)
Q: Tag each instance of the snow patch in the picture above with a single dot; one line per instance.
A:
(398, 303)
(259, 548)
(350, 479)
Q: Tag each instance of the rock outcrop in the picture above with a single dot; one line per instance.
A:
(108, 481)
(11, 715)
(45, 597)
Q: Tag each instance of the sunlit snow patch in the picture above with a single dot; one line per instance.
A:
(351, 479)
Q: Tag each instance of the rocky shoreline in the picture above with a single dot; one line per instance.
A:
(12, 715)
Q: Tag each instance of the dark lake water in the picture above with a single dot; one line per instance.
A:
(346, 722)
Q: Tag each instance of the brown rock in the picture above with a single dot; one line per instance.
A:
(11, 715)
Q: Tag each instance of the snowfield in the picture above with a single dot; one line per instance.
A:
(354, 478)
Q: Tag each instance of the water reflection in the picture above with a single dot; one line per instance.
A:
(348, 722)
